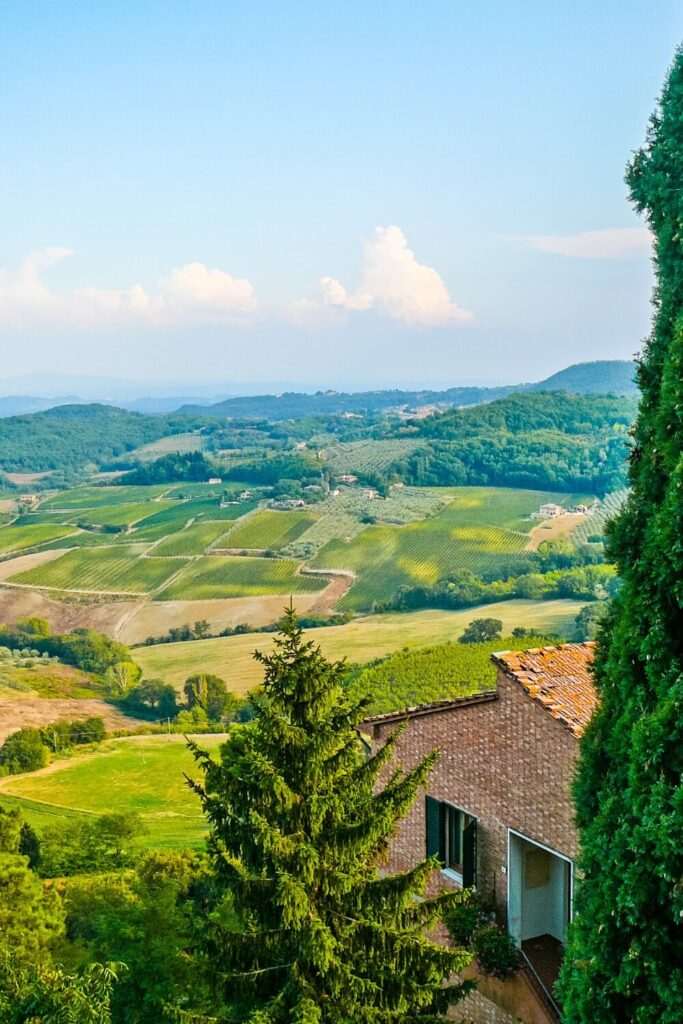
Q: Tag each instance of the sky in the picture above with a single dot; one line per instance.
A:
(326, 194)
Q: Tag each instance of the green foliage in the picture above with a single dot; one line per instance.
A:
(626, 945)
(46, 994)
(70, 436)
(23, 751)
(481, 630)
(210, 693)
(146, 919)
(90, 844)
(562, 441)
(412, 677)
(298, 823)
(176, 466)
(153, 696)
(59, 736)
(471, 921)
(588, 621)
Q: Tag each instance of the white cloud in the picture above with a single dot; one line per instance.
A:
(191, 294)
(608, 244)
(394, 284)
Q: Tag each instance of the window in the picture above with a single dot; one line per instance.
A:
(452, 834)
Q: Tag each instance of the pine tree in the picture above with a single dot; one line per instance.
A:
(300, 815)
(625, 958)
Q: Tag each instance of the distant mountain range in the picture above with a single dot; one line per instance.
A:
(600, 377)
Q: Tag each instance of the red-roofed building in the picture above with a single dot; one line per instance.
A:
(499, 811)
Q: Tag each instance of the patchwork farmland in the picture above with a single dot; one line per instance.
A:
(197, 542)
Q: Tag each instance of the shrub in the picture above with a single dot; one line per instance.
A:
(471, 922)
(23, 751)
(495, 951)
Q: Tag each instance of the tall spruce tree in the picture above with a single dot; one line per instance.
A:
(625, 956)
(300, 815)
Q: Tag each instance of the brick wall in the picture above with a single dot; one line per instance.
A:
(506, 761)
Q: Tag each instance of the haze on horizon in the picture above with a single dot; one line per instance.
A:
(328, 196)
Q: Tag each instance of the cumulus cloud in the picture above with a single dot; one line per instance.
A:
(608, 244)
(190, 294)
(392, 283)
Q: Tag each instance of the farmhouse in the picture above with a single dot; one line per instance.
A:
(214, 480)
(347, 478)
(550, 511)
(499, 813)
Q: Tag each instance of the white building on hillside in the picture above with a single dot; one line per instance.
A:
(550, 511)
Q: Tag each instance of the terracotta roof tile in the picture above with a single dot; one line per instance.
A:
(558, 678)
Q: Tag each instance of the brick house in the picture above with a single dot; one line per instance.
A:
(499, 812)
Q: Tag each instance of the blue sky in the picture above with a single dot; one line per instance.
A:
(331, 194)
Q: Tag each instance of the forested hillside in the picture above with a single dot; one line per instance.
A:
(70, 436)
(544, 440)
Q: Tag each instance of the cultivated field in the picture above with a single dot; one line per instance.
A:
(102, 497)
(120, 570)
(193, 540)
(367, 456)
(269, 530)
(142, 774)
(420, 676)
(20, 538)
(594, 525)
(359, 641)
(182, 443)
(216, 576)
(482, 529)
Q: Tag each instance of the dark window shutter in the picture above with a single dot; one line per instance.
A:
(433, 826)
(469, 853)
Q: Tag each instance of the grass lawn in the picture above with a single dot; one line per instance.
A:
(359, 641)
(142, 774)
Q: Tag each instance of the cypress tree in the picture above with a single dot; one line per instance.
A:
(300, 814)
(625, 957)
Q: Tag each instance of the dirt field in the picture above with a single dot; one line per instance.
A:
(20, 711)
(551, 529)
(26, 479)
(23, 562)
(133, 621)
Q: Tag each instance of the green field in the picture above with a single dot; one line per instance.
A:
(102, 497)
(107, 570)
(388, 557)
(124, 514)
(141, 774)
(14, 539)
(193, 540)
(216, 576)
(359, 641)
(269, 530)
(183, 443)
(367, 456)
(508, 507)
(482, 529)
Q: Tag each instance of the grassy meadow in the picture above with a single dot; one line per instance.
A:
(359, 641)
(142, 774)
